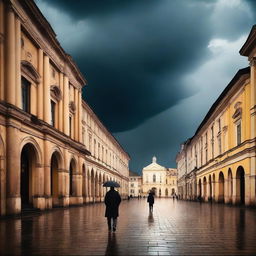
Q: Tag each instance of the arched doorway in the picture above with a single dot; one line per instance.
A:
(205, 188)
(92, 185)
(72, 168)
(166, 192)
(2, 177)
(221, 187)
(54, 179)
(27, 178)
(84, 181)
(200, 189)
(210, 188)
(230, 186)
(240, 185)
(213, 187)
(160, 192)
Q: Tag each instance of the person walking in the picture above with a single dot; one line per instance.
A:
(112, 201)
(150, 201)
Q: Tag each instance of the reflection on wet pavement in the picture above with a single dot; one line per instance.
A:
(174, 228)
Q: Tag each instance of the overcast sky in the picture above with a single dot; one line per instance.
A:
(154, 67)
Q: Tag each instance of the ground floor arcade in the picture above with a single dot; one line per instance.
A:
(232, 184)
(41, 172)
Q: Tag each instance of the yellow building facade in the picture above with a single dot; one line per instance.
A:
(159, 179)
(219, 162)
(54, 151)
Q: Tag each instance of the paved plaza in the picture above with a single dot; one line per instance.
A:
(174, 228)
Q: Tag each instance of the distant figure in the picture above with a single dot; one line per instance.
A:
(150, 201)
(112, 201)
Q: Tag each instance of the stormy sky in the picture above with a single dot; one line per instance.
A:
(154, 67)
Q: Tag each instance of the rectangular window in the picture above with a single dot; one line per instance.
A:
(238, 133)
(219, 139)
(53, 104)
(132, 185)
(70, 125)
(25, 87)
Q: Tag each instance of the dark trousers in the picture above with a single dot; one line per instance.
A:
(114, 220)
(151, 207)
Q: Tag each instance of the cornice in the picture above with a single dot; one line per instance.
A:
(12, 112)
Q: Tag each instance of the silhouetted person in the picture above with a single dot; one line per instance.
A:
(112, 201)
(150, 201)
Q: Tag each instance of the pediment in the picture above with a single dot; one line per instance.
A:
(30, 71)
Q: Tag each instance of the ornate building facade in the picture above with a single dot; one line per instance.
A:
(135, 183)
(159, 179)
(219, 162)
(54, 151)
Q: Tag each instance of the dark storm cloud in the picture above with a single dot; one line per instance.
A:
(135, 54)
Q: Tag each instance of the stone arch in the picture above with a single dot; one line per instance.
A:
(56, 164)
(72, 171)
(29, 178)
(32, 141)
(240, 185)
(221, 187)
(230, 185)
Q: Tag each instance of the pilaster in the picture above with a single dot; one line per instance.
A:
(66, 106)
(47, 109)
(18, 59)
(40, 89)
(10, 57)
(61, 103)
(13, 172)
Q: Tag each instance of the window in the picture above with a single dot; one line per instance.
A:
(154, 178)
(132, 185)
(219, 141)
(53, 105)
(25, 87)
(238, 133)
(70, 125)
(219, 125)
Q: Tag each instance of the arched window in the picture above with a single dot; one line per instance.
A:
(154, 178)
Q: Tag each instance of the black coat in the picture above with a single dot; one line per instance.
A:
(151, 199)
(112, 201)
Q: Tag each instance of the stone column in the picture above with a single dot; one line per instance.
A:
(226, 193)
(217, 191)
(2, 64)
(13, 171)
(235, 197)
(61, 104)
(66, 106)
(47, 106)
(40, 91)
(76, 115)
(247, 192)
(252, 178)
(80, 138)
(18, 59)
(47, 175)
(10, 57)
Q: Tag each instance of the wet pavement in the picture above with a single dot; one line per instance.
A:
(174, 228)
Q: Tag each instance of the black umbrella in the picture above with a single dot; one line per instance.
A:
(111, 183)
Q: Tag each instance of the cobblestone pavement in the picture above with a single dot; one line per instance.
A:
(174, 228)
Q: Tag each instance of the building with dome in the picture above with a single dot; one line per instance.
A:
(159, 179)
